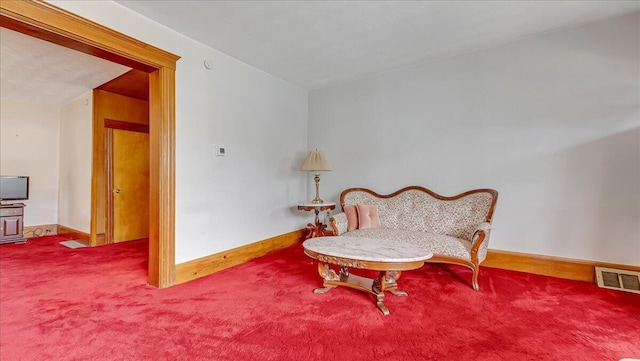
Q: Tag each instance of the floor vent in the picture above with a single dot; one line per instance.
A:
(618, 279)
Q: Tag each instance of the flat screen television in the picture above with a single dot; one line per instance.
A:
(14, 188)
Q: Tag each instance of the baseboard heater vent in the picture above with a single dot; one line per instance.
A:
(618, 279)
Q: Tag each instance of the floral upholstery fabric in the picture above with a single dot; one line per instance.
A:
(447, 227)
(418, 211)
(339, 220)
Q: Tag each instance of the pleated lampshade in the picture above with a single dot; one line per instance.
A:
(315, 162)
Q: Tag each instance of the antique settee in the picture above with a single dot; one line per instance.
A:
(456, 229)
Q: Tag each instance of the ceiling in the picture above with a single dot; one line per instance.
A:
(36, 71)
(315, 44)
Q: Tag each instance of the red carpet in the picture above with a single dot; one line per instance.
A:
(58, 303)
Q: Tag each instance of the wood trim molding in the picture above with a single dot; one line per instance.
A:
(162, 269)
(49, 22)
(217, 262)
(134, 83)
(74, 234)
(121, 125)
(573, 269)
(108, 172)
(45, 21)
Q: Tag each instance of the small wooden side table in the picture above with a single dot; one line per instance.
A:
(316, 229)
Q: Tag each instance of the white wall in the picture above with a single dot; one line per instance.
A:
(29, 146)
(76, 133)
(249, 195)
(552, 122)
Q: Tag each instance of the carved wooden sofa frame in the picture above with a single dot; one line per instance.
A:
(456, 238)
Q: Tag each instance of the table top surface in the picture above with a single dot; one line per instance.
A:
(317, 205)
(367, 249)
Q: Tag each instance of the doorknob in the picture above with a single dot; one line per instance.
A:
(116, 191)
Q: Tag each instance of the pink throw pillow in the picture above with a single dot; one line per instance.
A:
(368, 216)
(352, 217)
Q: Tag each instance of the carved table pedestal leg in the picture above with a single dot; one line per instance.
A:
(385, 281)
(390, 283)
(327, 274)
(317, 228)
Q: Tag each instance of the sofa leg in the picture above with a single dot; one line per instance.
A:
(476, 270)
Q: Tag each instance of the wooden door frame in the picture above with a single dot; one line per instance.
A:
(51, 23)
(110, 125)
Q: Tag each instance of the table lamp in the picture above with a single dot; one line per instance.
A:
(316, 162)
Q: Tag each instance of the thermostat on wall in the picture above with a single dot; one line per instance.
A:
(221, 151)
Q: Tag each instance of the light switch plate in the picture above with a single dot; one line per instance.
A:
(221, 151)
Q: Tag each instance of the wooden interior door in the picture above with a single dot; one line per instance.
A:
(129, 183)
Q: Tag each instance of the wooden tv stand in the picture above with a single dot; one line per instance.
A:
(11, 222)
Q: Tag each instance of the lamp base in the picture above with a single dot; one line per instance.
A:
(317, 199)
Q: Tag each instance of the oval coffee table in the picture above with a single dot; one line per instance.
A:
(387, 256)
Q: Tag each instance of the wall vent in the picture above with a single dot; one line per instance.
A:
(618, 279)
